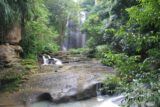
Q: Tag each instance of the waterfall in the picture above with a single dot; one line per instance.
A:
(48, 60)
(83, 34)
(57, 61)
(82, 17)
(74, 37)
(99, 92)
(65, 42)
(95, 2)
(45, 60)
(111, 101)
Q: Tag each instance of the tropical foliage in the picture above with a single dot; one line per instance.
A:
(14, 12)
(61, 11)
(129, 40)
(43, 22)
(39, 36)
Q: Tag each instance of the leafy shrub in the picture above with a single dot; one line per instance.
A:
(113, 85)
(142, 94)
(100, 50)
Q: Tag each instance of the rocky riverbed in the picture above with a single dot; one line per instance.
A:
(74, 81)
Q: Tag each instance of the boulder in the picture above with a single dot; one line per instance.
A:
(9, 54)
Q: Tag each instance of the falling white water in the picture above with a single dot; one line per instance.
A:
(49, 57)
(48, 60)
(82, 17)
(76, 1)
(99, 93)
(57, 61)
(74, 37)
(45, 60)
(64, 48)
(95, 2)
(112, 102)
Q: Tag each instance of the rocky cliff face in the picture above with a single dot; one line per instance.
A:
(9, 49)
(14, 35)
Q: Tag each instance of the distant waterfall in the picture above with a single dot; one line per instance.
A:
(82, 17)
(83, 34)
(95, 2)
(74, 37)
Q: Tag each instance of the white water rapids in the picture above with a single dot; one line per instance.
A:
(48, 60)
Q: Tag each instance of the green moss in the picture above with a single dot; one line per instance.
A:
(30, 64)
(11, 78)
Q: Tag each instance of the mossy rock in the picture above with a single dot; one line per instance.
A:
(11, 78)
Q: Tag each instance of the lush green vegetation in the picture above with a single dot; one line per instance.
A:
(126, 36)
(12, 78)
(61, 11)
(42, 24)
(42, 21)
(39, 36)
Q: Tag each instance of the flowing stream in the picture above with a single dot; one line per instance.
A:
(99, 101)
(107, 102)
(47, 60)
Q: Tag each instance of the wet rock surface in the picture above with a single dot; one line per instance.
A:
(73, 81)
(9, 54)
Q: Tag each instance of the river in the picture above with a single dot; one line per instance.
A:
(105, 101)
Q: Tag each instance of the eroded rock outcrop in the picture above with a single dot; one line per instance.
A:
(9, 48)
(14, 35)
(9, 54)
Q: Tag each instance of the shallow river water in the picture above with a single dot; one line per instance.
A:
(94, 102)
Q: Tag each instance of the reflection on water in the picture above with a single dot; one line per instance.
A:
(107, 102)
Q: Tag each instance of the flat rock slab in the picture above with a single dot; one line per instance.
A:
(74, 81)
